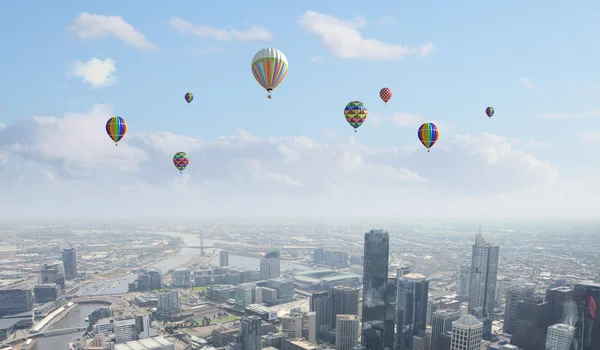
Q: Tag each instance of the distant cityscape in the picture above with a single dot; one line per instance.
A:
(409, 287)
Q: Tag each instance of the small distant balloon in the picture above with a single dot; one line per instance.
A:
(385, 94)
(428, 135)
(189, 97)
(269, 67)
(356, 114)
(489, 111)
(181, 161)
(116, 128)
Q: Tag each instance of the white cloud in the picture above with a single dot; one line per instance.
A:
(528, 84)
(96, 72)
(211, 50)
(90, 26)
(344, 40)
(316, 59)
(595, 113)
(245, 175)
(255, 33)
(589, 137)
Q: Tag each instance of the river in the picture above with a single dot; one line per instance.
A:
(75, 318)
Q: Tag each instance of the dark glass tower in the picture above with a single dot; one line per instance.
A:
(69, 257)
(411, 306)
(587, 297)
(375, 276)
(250, 333)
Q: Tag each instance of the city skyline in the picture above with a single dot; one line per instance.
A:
(275, 159)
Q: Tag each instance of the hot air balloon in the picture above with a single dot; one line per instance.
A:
(116, 128)
(385, 94)
(189, 97)
(269, 67)
(181, 161)
(489, 111)
(428, 135)
(356, 114)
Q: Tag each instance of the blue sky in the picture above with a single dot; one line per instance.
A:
(525, 59)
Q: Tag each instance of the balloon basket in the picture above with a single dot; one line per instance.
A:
(355, 130)
(269, 97)
(116, 144)
(427, 150)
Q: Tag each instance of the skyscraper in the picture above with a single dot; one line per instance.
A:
(270, 266)
(587, 297)
(69, 258)
(466, 333)
(320, 303)
(557, 297)
(375, 277)
(462, 281)
(482, 284)
(250, 333)
(532, 320)
(223, 258)
(346, 332)
(560, 337)
(411, 309)
(344, 301)
(441, 322)
(513, 296)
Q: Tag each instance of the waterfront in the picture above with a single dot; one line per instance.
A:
(75, 318)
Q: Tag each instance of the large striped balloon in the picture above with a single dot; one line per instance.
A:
(269, 67)
(428, 135)
(116, 128)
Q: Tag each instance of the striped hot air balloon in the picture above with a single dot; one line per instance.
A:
(116, 128)
(269, 67)
(428, 135)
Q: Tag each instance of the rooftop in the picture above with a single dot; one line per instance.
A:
(468, 320)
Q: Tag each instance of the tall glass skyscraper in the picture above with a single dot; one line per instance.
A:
(411, 309)
(482, 284)
(375, 277)
(69, 257)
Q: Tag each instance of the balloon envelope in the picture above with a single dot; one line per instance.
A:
(385, 94)
(181, 160)
(269, 67)
(116, 128)
(189, 97)
(489, 111)
(355, 113)
(428, 134)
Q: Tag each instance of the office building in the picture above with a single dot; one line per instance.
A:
(441, 322)
(53, 273)
(587, 297)
(284, 288)
(344, 301)
(558, 297)
(69, 258)
(223, 258)
(513, 296)
(44, 293)
(421, 341)
(560, 337)
(444, 340)
(467, 333)
(300, 344)
(411, 309)
(155, 343)
(482, 284)
(168, 303)
(270, 266)
(245, 294)
(181, 278)
(125, 330)
(375, 278)
(15, 301)
(332, 258)
(346, 331)
(250, 333)
(391, 297)
(508, 347)
(463, 277)
(532, 320)
(298, 324)
(320, 303)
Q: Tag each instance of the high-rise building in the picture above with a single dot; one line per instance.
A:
(375, 277)
(320, 303)
(223, 258)
(421, 341)
(513, 296)
(245, 294)
(344, 301)
(466, 333)
(346, 332)
(558, 297)
(560, 337)
(53, 273)
(444, 340)
(69, 258)
(462, 281)
(250, 333)
(168, 303)
(411, 309)
(587, 297)
(391, 297)
(532, 320)
(441, 322)
(298, 324)
(270, 266)
(15, 301)
(181, 278)
(482, 284)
